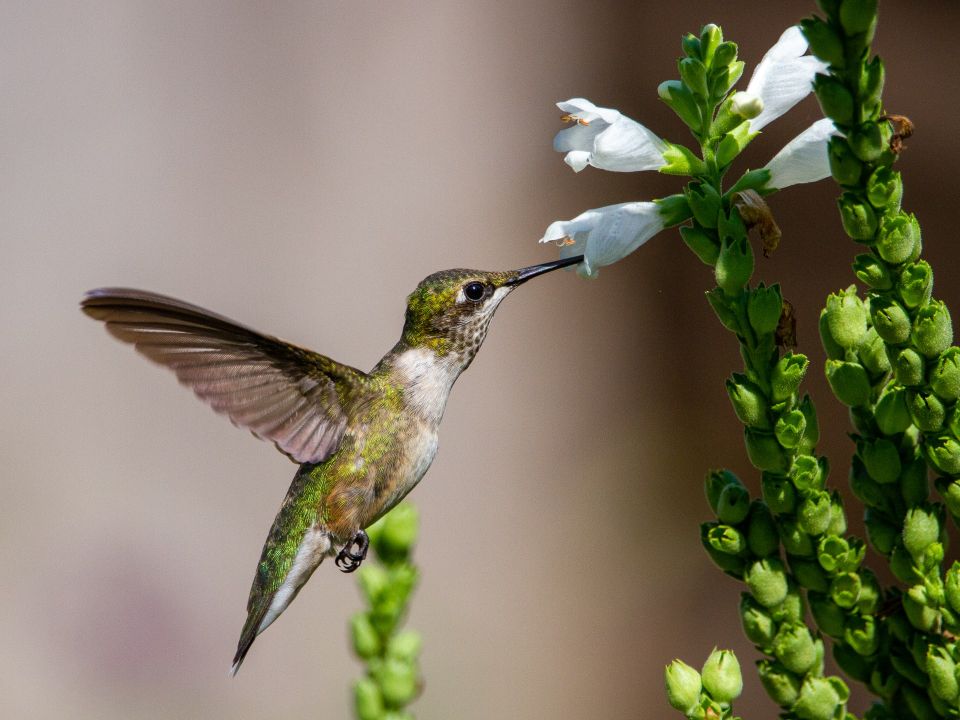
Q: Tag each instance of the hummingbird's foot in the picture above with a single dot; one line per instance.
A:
(349, 561)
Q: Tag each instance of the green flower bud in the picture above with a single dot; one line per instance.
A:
(928, 562)
(764, 307)
(679, 99)
(861, 635)
(845, 167)
(780, 684)
(764, 451)
(721, 676)
(838, 520)
(399, 532)
(932, 331)
(367, 700)
(777, 493)
(849, 382)
(787, 375)
(733, 143)
(871, 88)
(916, 604)
(873, 354)
(714, 485)
(845, 590)
(901, 565)
(926, 411)
(814, 513)
(704, 203)
(853, 664)
(724, 78)
(889, 319)
(833, 349)
(710, 38)
(809, 574)
(858, 218)
(748, 401)
(885, 188)
(820, 699)
(858, 16)
(796, 541)
(717, 543)
(832, 553)
(725, 54)
(950, 490)
(691, 45)
(868, 141)
(683, 686)
(792, 610)
(909, 367)
(834, 98)
(899, 235)
(882, 534)
(870, 593)
(793, 646)
(725, 309)
(917, 703)
(829, 618)
(952, 587)
(870, 271)
(734, 265)
(398, 682)
(694, 75)
(734, 504)
(846, 317)
(915, 284)
(867, 490)
(374, 582)
(758, 625)
(945, 375)
(891, 412)
(943, 452)
(790, 429)
(726, 539)
(762, 537)
(942, 671)
(767, 580)
(824, 41)
(366, 641)
(913, 482)
(405, 645)
(921, 528)
(881, 459)
(704, 246)
(811, 433)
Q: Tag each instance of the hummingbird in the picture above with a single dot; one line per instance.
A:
(362, 441)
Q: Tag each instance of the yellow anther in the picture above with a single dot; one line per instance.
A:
(570, 117)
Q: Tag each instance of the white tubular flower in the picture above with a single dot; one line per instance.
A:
(604, 138)
(804, 159)
(606, 234)
(783, 78)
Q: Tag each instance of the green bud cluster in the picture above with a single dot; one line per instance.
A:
(708, 693)
(892, 362)
(392, 679)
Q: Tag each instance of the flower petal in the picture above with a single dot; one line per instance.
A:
(606, 139)
(783, 77)
(804, 159)
(608, 234)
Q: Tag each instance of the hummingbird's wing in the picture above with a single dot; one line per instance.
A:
(296, 398)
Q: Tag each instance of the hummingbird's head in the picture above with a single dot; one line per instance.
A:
(450, 311)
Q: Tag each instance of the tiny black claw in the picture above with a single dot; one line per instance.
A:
(349, 561)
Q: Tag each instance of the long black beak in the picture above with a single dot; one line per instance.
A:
(526, 273)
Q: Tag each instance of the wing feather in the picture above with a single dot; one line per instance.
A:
(295, 398)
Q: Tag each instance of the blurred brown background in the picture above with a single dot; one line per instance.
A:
(300, 166)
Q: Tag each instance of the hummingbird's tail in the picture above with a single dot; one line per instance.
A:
(265, 607)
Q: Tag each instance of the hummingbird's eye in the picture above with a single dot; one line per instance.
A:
(474, 291)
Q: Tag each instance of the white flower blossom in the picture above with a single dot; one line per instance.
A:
(605, 235)
(804, 159)
(782, 78)
(606, 139)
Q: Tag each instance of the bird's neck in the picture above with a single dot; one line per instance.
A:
(424, 376)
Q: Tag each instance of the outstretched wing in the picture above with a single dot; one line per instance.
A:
(296, 398)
